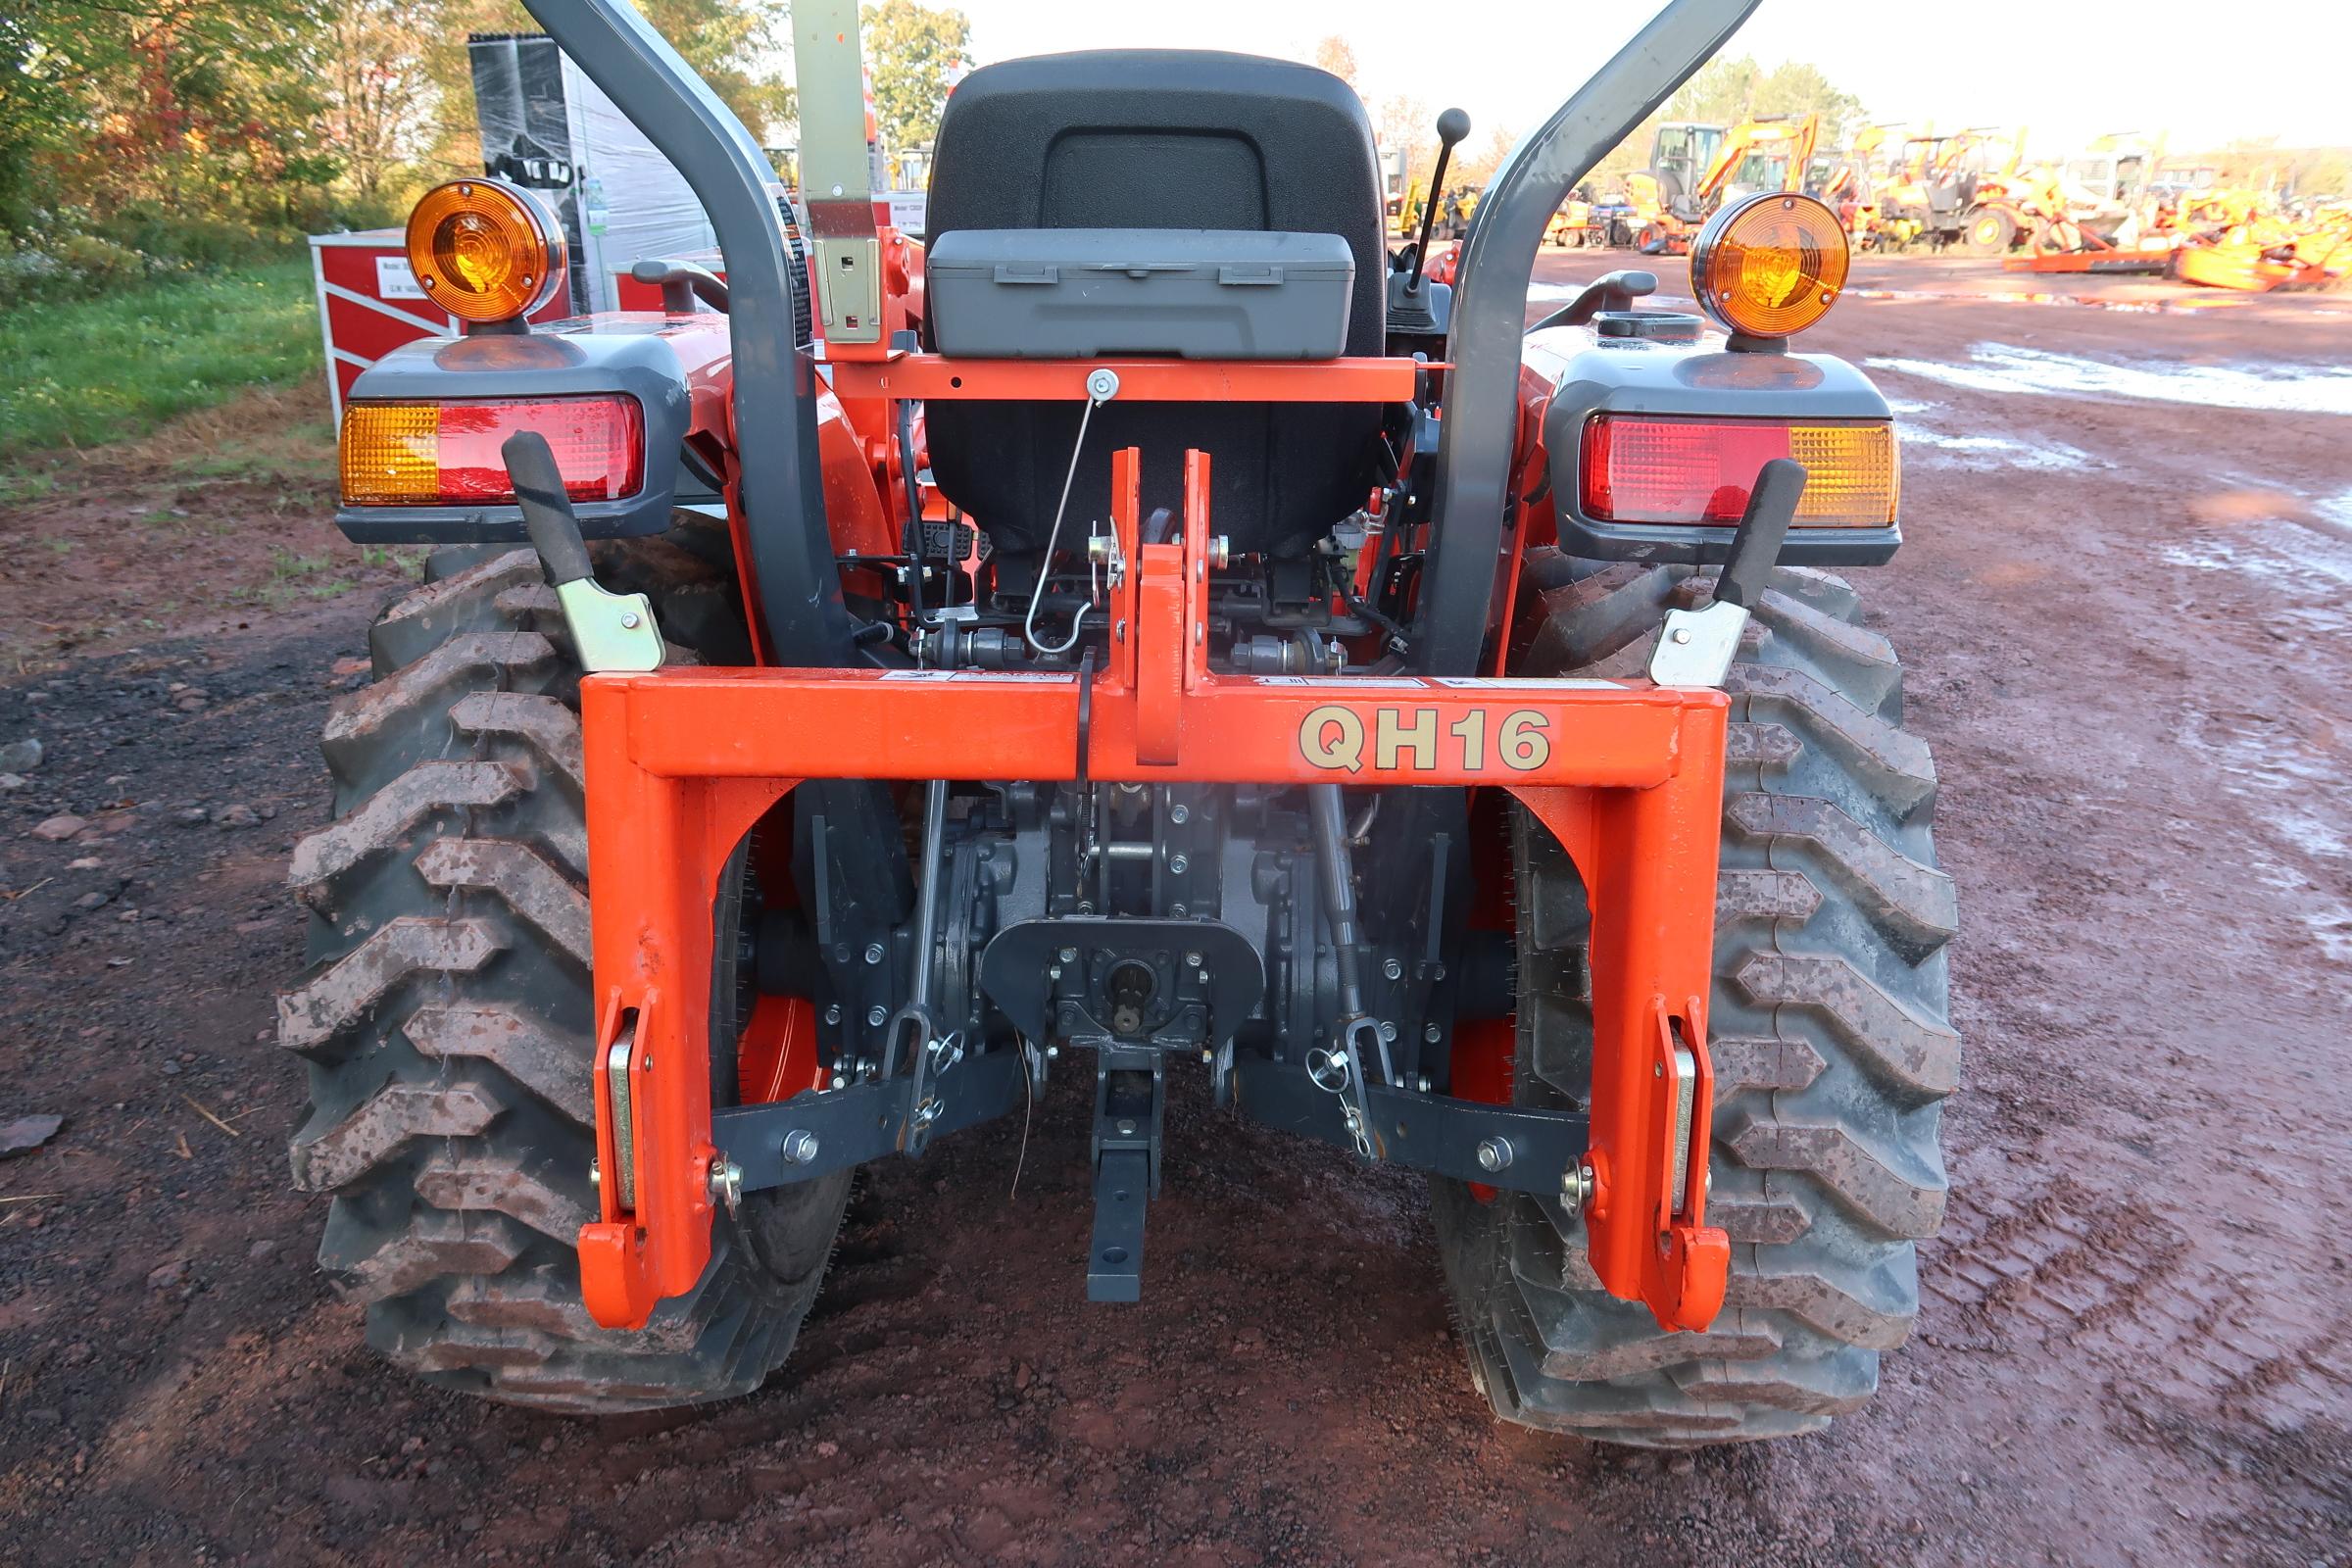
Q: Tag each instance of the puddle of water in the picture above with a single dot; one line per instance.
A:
(2276, 551)
(1932, 449)
(2329, 921)
(2335, 512)
(2293, 789)
(2002, 368)
(2192, 305)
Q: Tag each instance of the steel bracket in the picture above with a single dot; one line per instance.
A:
(1501, 1145)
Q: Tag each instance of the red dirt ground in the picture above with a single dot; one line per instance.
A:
(2126, 630)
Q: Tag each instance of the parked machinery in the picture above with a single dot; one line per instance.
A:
(1763, 153)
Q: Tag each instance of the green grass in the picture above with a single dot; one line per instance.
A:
(91, 372)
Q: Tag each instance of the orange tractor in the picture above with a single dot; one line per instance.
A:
(1150, 629)
(1694, 168)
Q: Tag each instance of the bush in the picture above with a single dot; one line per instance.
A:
(71, 267)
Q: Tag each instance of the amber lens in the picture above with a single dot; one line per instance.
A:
(483, 251)
(1853, 474)
(1770, 265)
(391, 454)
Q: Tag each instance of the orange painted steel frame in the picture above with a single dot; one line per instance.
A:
(681, 763)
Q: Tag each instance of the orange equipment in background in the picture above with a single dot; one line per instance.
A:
(1767, 153)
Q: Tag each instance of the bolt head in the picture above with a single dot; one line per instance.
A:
(1180, 814)
(1430, 1033)
(1126, 1129)
(628, 619)
(1681, 634)
(1387, 1031)
(1422, 1083)
(833, 1012)
(876, 1014)
(1179, 864)
(1053, 1051)
(1494, 1154)
(799, 1147)
(1191, 960)
(1069, 954)
(873, 952)
(1393, 969)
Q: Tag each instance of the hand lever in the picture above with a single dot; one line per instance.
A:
(1695, 647)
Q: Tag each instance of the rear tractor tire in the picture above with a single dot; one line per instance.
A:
(1830, 1044)
(446, 1017)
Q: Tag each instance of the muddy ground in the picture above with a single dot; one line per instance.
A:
(2123, 605)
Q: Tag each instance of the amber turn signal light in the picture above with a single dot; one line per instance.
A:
(1770, 265)
(484, 251)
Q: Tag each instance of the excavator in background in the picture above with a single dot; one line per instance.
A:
(1766, 152)
(1851, 183)
(1958, 190)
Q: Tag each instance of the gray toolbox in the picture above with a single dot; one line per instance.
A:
(1096, 293)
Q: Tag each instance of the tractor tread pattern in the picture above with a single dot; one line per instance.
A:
(446, 1017)
(1831, 1055)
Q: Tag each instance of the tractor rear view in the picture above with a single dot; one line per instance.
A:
(1148, 629)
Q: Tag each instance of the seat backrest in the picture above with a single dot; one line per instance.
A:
(1148, 138)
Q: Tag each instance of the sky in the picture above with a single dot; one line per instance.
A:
(2070, 69)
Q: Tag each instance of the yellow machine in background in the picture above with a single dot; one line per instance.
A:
(1770, 153)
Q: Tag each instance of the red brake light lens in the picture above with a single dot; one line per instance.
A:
(415, 453)
(1656, 470)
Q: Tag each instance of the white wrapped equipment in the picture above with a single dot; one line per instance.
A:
(546, 126)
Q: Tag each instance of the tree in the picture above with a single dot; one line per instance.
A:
(1332, 54)
(1727, 91)
(912, 55)
(732, 44)
(380, 96)
(181, 106)
(1476, 168)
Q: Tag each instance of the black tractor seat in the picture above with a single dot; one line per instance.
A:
(1161, 139)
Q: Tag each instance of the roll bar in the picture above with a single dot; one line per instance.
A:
(783, 497)
(1490, 312)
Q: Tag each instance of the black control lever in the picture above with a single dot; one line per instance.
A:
(545, 509)
(1616, 292)
(1756, 542)
(682, 283)
(609, 631)
(1452, 126)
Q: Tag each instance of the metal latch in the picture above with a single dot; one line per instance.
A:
(1695, 647)
(1685, 1093)
(609, 631)
(616, 1085)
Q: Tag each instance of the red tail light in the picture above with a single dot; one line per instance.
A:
(1658, 470)
(410, 453)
